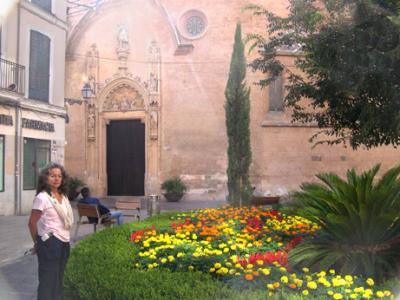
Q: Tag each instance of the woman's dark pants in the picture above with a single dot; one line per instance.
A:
(52, 256)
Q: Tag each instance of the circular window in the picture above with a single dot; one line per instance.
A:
(192, 24)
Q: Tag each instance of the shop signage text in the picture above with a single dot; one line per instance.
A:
(38, 125)
(6, 120)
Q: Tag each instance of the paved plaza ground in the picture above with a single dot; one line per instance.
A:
(18, 273)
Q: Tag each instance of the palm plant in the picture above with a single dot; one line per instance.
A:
(359, 220)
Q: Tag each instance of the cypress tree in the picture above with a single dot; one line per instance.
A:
(237, 114)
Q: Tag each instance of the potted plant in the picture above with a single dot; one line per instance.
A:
(174, 189)
(74, 185)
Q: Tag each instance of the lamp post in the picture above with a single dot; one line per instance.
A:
(87, 92)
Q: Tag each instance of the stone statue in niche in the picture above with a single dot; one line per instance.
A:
(92, 64)
(123, 39)
(154, 51)
(91, 123)
(153, 83)
(154, 120)
(154, 125)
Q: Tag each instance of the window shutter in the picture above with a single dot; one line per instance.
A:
(276, 95)
(39, 67)
(43, 4)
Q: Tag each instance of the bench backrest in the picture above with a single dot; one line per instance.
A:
(88, 210)
(127, 204)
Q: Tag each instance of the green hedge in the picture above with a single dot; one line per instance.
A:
(100, 267)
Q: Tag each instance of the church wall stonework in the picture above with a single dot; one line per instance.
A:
(184, 116)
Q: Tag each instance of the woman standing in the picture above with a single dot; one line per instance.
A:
(49, 224)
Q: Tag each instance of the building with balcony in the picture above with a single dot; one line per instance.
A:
(32, 113)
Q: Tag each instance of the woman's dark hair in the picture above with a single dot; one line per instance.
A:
(42, 182)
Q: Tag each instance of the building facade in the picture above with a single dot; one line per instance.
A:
(158, 71)
(32, 113)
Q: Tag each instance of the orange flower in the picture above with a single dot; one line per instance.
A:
(249, 277)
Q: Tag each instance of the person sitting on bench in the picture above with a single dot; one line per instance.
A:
(102, 208)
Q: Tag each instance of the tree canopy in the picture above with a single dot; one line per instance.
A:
(349, 57)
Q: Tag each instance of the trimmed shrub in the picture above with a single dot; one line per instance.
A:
(100, 267)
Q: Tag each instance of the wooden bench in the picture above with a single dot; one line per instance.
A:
(264, 200)
(129, 205)
(91, 211)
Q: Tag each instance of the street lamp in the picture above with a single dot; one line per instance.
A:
(86, 91)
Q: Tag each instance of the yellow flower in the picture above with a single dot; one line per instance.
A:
(306, 270)
(312, 285)
(337, 296)
(359, 290)
(270, 286)
(332, 272)
(387, 293)
(305, 292)
(321, 274)
(163, 260)
(217, 265)
(330, 293)
(191, 268)
(353, 296)
(298, 282)
(348, 278)
(370, 282)
(380, 294)
(266, 272)
(284, 279)
(250, 266)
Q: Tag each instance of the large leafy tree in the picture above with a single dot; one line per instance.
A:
(349, 58)
(237, 113)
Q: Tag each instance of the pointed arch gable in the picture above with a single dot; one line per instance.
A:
(123, 94)
(84, 23)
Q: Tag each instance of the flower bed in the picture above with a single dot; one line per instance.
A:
(246, 247)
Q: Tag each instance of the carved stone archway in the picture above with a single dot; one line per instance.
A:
(123, 99)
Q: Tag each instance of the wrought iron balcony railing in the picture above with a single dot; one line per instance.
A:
(12, 77)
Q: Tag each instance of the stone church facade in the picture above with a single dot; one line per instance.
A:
(158, 70)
